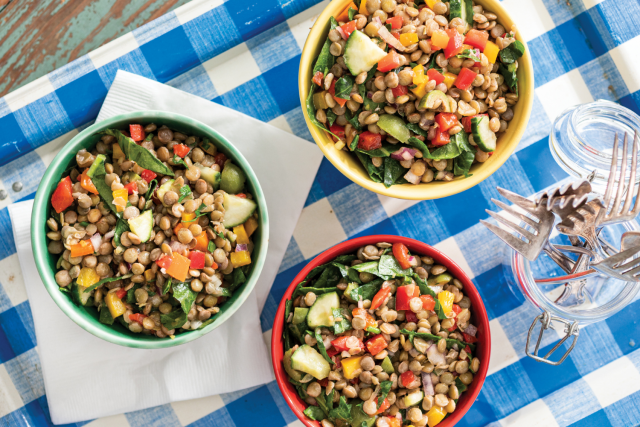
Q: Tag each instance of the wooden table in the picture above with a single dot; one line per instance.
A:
(38, 36)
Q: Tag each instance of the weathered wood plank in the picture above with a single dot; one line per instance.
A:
(38, 36)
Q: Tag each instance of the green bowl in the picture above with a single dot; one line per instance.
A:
(87, 317)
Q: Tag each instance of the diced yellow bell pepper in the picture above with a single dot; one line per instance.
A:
(238, 259)
(408, 38)
(188, 217)
(149, 276)
(449, 79)
(87, 277)
(241, 235)
(435, 415)
(363, 8)
(120, 199)
(115, 305)
(491, 51)
(446, 301)
(117, 152)
(351, 367)
(420, 90)
(418, 75)
(208, 147)
(431, 3)
(250, 226)
(440, 39)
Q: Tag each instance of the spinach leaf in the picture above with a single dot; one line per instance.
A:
(448, 151)
(413, 127)
(344, 86)
(392, 171)
(347, 272)
(462, 387)
(341, 324)
(121, 226)
(432, 64)
(183, 293)
(352, 12)
(316, 271)
(345, 259)
(314, 413)
(470, 54)
(311, 112)
(331, 116)
(333, 23)
(208, 322)
(354, 143)
(152, 187)
(298, 331)
(385, 388)
(425, 289)
(177, 160)
(325, 60)
(353, 119)
(510, 77)
(130, 298)
(372, 330)
(421, 146)
(389, 266)
(367, 291)
(104, 191)
(321, 347)
(149, 137)
(342, 412)
(329, 278)
(105, 315)
(107, 280)
(211, 246)
(374, 173)
(318, 291)
(84, 223)
(167, 286)
(173, 320)
(137, 153)
(185, 192)
(368, 103)
(511, 53)
(367, 267)
(238, 279)
(436, 338)
(384, 151)
(462, 163)
(288, 309)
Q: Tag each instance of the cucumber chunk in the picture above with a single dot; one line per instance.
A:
(350, 288)
(295, 375)
(232, 179)
(394, 126)
(237, 210)
(105, 316)
(307, 359)
(170, 185)
(100, 159)
(299, 315)
(361, 53)
(429, 101)
(462, 9)
(387, 366)
(482, 135)
(321, 312)
(79, 295)
(413, 398)
(142, 225)
(359, 416)
(209, 175)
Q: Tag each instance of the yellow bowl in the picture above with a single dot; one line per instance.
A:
(351, 167)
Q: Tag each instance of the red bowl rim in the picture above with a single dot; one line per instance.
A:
(289, 393)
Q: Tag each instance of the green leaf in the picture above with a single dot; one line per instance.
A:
(354, 143)
(152, 186)
(345, 259)
(183, 293)
(173, 320)
(211, 246)
(367, 267)
(185, 191)
(511, 53)
(130, 298)
(344, 86)
(384, 151)
(372, 330)
(311, 112)
(137, 153)
(374, 173)
(329, 278)
(388, 266)
(167, 286)
(421, 146)
(105, 315)
(385, 388)
(314, 413)
(462, 163)
(352, 12)
(347, 272)
(341, 324)
(470, 54)
(367, 291)
(331, 116)
(432, 64)
(325, 60)
(436, 338)
(104, 191)
(353, 119)
(334, 24)
(448, 151)
(510, 76)
(462, 387)
(392, 171)
(121, 226)
(84, 223)
(238, 279)
(342, 412)
(177, 160)
(318, 291)
(321, 347)
(415, 128)
(107, 280)
(425, 289)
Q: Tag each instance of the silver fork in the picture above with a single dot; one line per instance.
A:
(617, 266)
(541, 223)
(614, 215)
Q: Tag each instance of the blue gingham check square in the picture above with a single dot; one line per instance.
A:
(245, 55)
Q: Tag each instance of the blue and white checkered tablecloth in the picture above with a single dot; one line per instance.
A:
(245, 55)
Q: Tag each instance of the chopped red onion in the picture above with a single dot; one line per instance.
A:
(427, 384)
(370, 95)
(391, 41)
(471, 330)
(404, 153)
(425, 123)
(432, 133)
(128, 265)
(342, 34)
(110, 234)
(241, 247)
(435, 356)
(361, 304)
(177, 247)
(96, 241)
(412, 178)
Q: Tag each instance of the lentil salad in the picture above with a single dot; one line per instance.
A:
(379, 336)
(418, 92)
(153, 228)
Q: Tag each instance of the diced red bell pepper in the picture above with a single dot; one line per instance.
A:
(181, 150)
(469, 338)
(132, 188)
(148, 175)
(466, 122)
(332, 352)
(340, 343)
(465, 78)
(197, 260)
(332, 91)
(376, 344)
(456, 42)
(396, 35)
(348, 28)
(434, 74)
(317, 78)
(407, 378)
(164, 262)
(369, 141)
(428, 303)
(137, 317)
(401, 253)
(121, 293)
(446, 121)
(62, 197)
(380, 297)
(337, 130)
(441, 138)
(467, 349)
(137, 133)
(82, 248)
(404, 295)
(456, 309)
(477, 39)
(241, 195)
(220, 159)
(396, 22)
(410, 316)
(385, 405)
(324, 382)
(389, 62)
(400, 90)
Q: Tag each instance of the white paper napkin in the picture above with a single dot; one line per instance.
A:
(86, 377)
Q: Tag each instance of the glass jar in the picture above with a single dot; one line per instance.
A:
(581, 139)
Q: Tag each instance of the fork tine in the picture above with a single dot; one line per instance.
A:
(632, 178)
(627, 266)
(511, 225)
(515, 243)
(619, 257)
(622, 178)
(612, 178)
(516, 199)
(516, 214)
(636, 206)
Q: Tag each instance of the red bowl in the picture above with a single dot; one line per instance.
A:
(479, 316)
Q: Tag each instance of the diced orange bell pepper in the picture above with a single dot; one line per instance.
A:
(241, 235)
(491, 51)
(62, 197)
(440, 39)
(344, 15)
(202, 242)
(177, 228)
(408, 39)
(82, 248)
(238, 259)
(394, 422)
(363, 8)
(149, 275)
(250, 226)
(87, 184)
(87, 277)
(120, 199)
(188, 217)
(179, 267)
(360, 312)
(115, 305)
